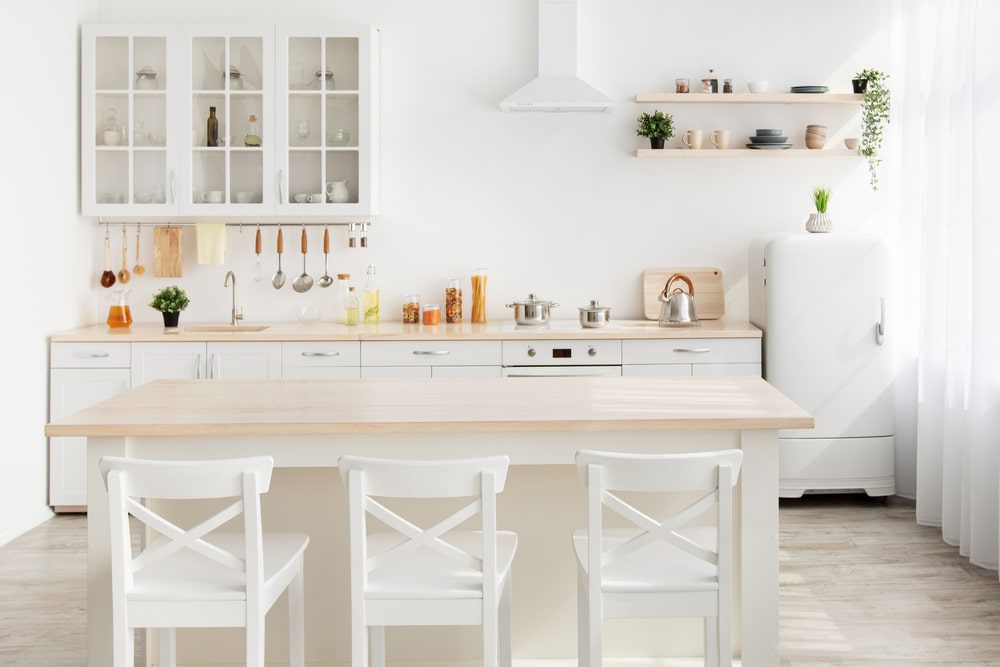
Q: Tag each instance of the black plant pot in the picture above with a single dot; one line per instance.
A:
(656, 143)
(170, 320)
(860, 86)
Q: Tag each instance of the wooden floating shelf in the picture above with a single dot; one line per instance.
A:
(750, 98)
(710, 153)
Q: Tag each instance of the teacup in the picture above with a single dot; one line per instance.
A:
(316, 198)
(212, 197)
(301, 199)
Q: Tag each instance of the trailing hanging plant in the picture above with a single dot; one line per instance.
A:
(821, 198)
(874, 118)
(658, 127)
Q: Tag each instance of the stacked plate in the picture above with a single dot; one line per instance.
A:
(769, 139)
(810, 89)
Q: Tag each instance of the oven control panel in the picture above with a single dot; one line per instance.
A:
(562, 352)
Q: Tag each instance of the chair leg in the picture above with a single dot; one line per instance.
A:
(359, 644)
(296, 620)
(167, 639)
(711, 641)
(725, 639)
(490, 638)
(376, 635)
(255, 639)
(582, 624)
(595, 616)
(123, 654)
(504, 648)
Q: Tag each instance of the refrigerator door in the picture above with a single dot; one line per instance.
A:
(825, 301)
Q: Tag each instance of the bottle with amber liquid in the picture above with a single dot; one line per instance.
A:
(119, 314)
(212, 134)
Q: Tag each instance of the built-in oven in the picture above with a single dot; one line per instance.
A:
(562, 358)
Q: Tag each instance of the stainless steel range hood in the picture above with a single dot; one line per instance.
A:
(557, 87)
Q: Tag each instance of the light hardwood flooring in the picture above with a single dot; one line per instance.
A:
(861, 584)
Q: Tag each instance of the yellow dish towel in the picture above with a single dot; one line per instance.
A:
(211, 237)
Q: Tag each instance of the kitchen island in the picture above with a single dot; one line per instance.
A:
(539, 423)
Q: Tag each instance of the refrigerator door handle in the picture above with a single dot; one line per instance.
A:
(880, 327)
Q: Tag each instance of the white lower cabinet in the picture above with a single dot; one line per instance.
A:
(337, 360)
(723, 370)
(465, 372)
(168, 361)
(395, 372)
(244, 361)
(656, 370)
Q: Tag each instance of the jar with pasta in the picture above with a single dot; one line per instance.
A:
(453, 301)
(411, 309)
(479, 295)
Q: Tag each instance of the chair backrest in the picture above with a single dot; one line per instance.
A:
(367, 479)
(131, 480)
(712, 472)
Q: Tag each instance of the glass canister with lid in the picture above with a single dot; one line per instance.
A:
(453, 301)
(145, 79)
(411, 309)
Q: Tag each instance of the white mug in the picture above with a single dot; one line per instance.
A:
(720, 139)
(212, 197)
(316, 198)
(692, 139)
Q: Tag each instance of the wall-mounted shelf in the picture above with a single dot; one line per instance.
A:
(749, 98)
(713, 153)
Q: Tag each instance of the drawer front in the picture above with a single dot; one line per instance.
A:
(395, 372)
(657, 371)
(320, 354)
(724, 370)
(91, 355)
(692, 351)
(321, 373)
(561, 352)
(465, 372)
(430, 353)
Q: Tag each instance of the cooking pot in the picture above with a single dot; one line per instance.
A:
(595, 315)
(532, 311)
(677, 309)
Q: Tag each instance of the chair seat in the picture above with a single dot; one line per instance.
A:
(428, 575)
(658, 567)
(186, 575)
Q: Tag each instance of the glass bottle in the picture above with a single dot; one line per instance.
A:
(252, 138)
(478, 295)
(453, 301)
(370, 297)
(351, 307)
(342, 289)
(212, 129)
(119, 314)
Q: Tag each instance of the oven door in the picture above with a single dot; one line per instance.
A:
(561, 371)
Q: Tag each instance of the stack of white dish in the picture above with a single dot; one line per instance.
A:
(769, 139)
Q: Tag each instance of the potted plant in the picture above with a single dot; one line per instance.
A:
(170, 301)
(657, 127)
(820, 221)
(874, 117)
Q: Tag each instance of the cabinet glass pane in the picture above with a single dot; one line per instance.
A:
(341, 120)
(150, 125)
(305, 177)
(246, 178)
(208, 58)
(111, 63)
(343, 166)
(305, 56)
(150, 53)
(246, 55)
(201, 109)
(304, 120)
(242, 106)
(149, 176)
(111, 177)
(209, 176)
(111, 119)
(342, 61)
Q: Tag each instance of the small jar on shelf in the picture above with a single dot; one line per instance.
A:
(432, 314)
(682, 85)
(411, 309)
(453, 301)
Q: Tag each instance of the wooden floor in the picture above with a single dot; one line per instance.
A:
(861, 584)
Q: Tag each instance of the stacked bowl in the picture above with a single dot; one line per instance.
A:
(769, 139)
(815, 136)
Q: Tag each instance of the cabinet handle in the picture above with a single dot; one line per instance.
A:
(211, 366)
(693, 350)
(197, 367)
(281, 175)
(880, 327)
(435, 353)
(93, 355)
(321, 354)
(171, 186)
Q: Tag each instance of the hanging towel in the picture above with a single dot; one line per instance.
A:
(211, 237)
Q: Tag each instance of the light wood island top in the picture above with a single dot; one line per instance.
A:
(326, 407)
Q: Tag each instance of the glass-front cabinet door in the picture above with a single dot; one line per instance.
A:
(227, 155)
(327, 128)
(128, 118)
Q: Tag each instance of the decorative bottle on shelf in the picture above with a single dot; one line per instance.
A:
(212, 135)
(370, 297)
(252, 138)
(351, 307)
(343, 286)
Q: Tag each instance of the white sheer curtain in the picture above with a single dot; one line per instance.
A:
(944, 186)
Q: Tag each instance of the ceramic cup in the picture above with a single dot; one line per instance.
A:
(212, 197)
(757, 86)
(692, 139)
(301, 199)
(244, 197)
(720, 139)
(111, 138)
(316, 198)
(852, 143)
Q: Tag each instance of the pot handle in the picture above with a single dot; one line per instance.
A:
(553, 305)
(682, 278)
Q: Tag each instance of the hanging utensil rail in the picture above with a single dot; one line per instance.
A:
(295, 223)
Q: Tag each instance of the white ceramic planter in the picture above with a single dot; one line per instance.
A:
(819, 223)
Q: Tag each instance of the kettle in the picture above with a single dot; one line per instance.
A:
(678, 306)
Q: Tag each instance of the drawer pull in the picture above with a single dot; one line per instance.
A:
(93, 355)
(434, 353)
(693, 350)
(321, 354)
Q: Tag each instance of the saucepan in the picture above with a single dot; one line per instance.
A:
(532, 311)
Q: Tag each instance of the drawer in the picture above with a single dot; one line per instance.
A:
(321, 372)
(465, 372)
(692, 351)
(561, 352)
(320, 354)
(430, 353)
(724, 370)
(91, 355)
(395, 372)
(657, 371)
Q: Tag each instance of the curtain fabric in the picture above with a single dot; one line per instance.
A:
(945, 199)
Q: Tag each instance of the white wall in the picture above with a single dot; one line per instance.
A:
(47, 260)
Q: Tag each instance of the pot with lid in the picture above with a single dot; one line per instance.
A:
(532, 311)
(594, 316)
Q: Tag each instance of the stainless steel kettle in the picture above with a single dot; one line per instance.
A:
(677, 309)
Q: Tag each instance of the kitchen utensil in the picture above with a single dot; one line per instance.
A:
(304, 282)
(594, 316)
(168, 245)
(258, 270)
(123, 275)
(108, 277)
(678, 306)
(278, 281)
(326, 280)
(708, 282)
(532, 311)
(138, 269)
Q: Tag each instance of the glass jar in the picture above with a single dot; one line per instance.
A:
(727, 85)
(145, 79)
(411, 309)
(370, 297)
(682, 85)
(351, 307)
(478, 295)
(453, 301)
(343, 284)
(432, 314)
(119, 314)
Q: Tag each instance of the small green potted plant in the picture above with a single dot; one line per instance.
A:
(170, 301)
(820, 222)
(657, 127)
(874, 117)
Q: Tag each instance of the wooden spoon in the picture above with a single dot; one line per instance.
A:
(138, 269)
(124, 276)
(108, 277)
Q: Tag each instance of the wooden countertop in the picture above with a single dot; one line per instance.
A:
(326, 331)
(326, 407)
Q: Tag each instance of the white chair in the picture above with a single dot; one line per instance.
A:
(189, 579)
(428, 576)
(658, 569)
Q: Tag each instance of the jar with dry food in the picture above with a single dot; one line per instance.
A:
(411, 309)
(478, 295)
(432, 314)
(453, 301)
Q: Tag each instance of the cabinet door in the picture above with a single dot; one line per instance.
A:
(72, 390)
(167, 361)
(723, 370)
(656, 370)
(244, 361)
(131, 168)
(230, 69)
(327, 124)
(395, 372)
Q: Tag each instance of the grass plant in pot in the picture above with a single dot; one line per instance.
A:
(820, 222)
(657, 127)
(170, 301)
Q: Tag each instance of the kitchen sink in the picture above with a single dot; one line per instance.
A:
(227, 328)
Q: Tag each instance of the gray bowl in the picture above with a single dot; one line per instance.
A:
(769, 133)
(768, 140)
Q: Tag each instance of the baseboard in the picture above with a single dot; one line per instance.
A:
(24, 524)
(622, 662)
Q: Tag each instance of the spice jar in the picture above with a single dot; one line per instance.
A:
(453, 301)
(727, 85)
(411, 309)
(432, 313)
(682, 85)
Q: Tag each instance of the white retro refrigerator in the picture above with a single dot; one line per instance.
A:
(821, 300)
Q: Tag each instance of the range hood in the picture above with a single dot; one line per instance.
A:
(557, 87)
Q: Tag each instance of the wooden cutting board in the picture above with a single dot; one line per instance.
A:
(709, 291)
(168, 245)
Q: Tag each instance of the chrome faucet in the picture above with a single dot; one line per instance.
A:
(237, 315)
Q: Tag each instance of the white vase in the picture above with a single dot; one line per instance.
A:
(819, 223)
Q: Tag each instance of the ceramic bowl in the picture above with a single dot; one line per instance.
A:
(769, 132)
(143, 197)
(307, 314)
(768, 140)
(244, 197)
(757, 86)
(852, 143)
